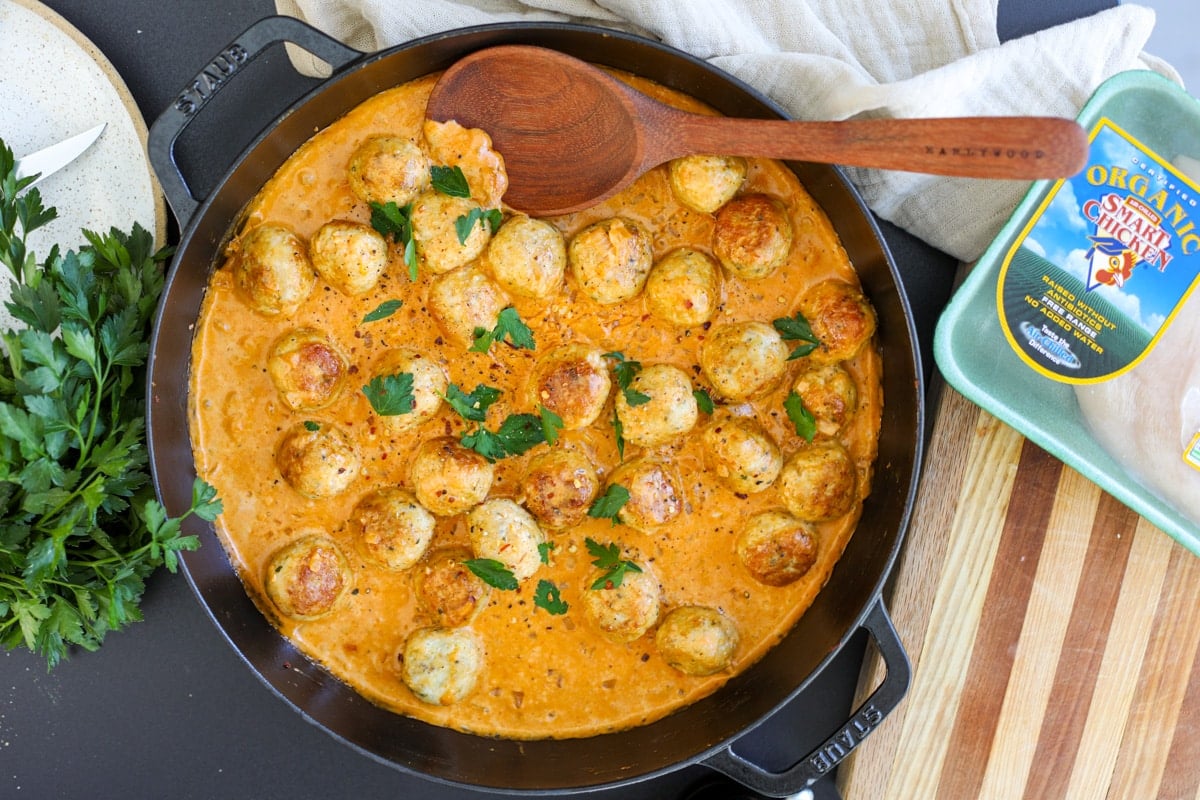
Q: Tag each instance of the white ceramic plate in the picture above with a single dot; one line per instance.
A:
(56, 83)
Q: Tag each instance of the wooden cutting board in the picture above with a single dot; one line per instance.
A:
(1053, 635)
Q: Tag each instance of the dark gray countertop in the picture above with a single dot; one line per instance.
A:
(166, 708)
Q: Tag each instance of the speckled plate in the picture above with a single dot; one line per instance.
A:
(56, 83)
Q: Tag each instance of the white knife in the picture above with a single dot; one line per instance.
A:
(49, 160)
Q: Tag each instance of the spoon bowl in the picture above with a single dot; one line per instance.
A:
(573, 135)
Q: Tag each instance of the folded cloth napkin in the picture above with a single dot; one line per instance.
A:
(833, 59)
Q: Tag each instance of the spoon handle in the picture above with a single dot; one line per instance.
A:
(978, 147)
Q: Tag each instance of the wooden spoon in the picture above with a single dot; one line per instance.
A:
(572, 135)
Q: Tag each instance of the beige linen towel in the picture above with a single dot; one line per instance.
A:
(833, 59)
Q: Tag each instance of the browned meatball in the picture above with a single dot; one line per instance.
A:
(349, 256)
(684, 288)
(447, 589)
(696, 640)
(447, 478)
(776, 548)
(819, 482)
(306, 578)
(830, 395)
(753, 236)
(465, 300)
(429, 384)
(624, 613)
(528, 257)
(394, 529)
(442, 665)
(705, 183)
(610, 259)
(307, 369)
(841, 319)
(669, 413)
(501, 530)
(743, 455)
(743, 360)
(560, 485)
(388, 169)
(317, 459)
(573, 382)
(272, 270)
(654, 498)
(435, 231)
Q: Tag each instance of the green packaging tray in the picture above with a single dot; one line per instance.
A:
(1028, 381)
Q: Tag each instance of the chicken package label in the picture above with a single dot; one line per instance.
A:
(1104, 264)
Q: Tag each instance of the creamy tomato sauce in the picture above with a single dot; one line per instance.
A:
(545, 675)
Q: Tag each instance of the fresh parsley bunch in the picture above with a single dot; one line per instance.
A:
(80, 529)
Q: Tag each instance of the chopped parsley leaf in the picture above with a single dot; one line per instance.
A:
(551, 424)
(625, 371)
(803, 419)
(395, 221)
(608, 558)
(472, 406)
(508, 325)
(449, 181)
(391, 395)
(549, 598)
(464, 224)
(493, 573)
(383, 310)
(797, 329)
(609, 504)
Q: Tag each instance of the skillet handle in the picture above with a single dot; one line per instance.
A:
(837, 747)
(204, 87)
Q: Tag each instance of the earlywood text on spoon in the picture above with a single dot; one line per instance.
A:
(984, 152)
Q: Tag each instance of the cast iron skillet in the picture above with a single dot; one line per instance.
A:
(705, 732)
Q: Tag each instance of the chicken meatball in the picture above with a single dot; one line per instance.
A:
(819, 482)
(623, 613)
(306, 578)
(830, 395)
(560, 486)
(776, 548)
(307, 369)
(441, 665)
(435, 231)
(472, 151)
(394, 529)
(610, 259)
(464, 301)
(752, 236)
(429, 385)
(500, 529)
(447, 589)
(670, 411)
(705, 183)
(743, 455)
(697, 640)
(272, 270)
(447, 478)
(841, 319)
(388, 169)
(684, 288)
(349, 256)
(573, 382)
(318, 460)
(744, 360)
(654, 498)
(528, 257)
